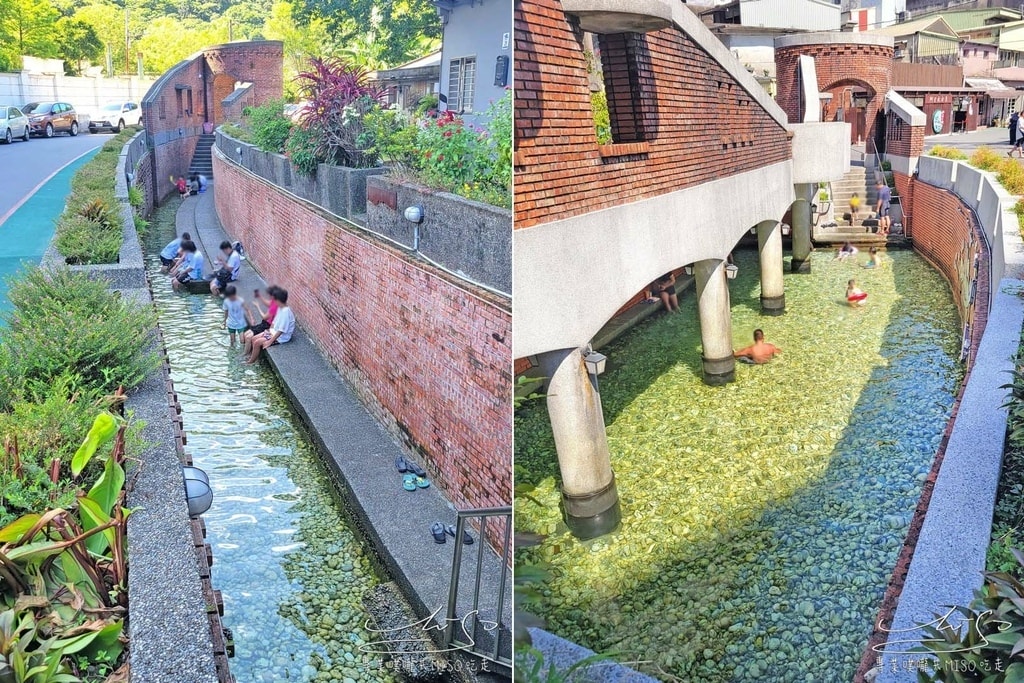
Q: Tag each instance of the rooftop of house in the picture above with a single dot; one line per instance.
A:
(961, 20)
(935, 25)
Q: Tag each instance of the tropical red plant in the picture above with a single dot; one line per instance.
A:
(339, 93)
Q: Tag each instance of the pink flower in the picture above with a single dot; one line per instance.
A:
(440, 157)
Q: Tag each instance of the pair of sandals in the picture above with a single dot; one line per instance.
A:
(440, 532)
(415, 476)
(411, 482)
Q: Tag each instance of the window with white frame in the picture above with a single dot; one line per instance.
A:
(461, 84)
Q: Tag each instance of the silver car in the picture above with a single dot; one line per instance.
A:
(13, 124)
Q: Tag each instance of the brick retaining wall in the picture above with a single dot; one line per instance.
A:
(429, 356)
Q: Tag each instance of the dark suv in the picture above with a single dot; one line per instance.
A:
(49, 118)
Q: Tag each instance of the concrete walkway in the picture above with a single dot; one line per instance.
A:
(361, 456)
(996, 138)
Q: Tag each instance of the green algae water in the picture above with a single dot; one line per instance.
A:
(291, 571)
(761, 520)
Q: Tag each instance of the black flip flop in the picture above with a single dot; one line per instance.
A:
(401, 465)
(415, 469)
(437, 530)
(466, 538)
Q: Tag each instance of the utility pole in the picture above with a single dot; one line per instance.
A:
(127, 43)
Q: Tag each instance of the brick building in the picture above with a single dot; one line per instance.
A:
(210, 87)
(692, 132)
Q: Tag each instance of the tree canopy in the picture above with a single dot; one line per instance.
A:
(369, 33)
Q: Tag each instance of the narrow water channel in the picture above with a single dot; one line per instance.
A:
(290, 568)
(761, 520)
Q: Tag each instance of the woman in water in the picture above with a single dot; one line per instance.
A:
(854, 295)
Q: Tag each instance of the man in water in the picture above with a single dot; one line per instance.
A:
(759, 352)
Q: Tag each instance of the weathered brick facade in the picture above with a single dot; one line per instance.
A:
(698, 123)
(902, 139)
(175, 108)
(428, 354)
(839, 67)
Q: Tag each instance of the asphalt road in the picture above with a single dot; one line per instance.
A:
(24, 165)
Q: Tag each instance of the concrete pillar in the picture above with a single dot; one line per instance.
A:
(802, 227)
(715, 322)
(590, 500)
(769, 249)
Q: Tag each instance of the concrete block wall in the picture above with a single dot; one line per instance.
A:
(429, 355)
(462, 235)
(704, 124)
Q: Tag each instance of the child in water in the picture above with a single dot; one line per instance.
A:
(874, 260)
(234, 313)
(854, 295)
(847, 251)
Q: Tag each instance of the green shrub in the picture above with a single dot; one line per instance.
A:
(947, 153)
(89, 230)
(268, 126)
(62, 320)
(135, 196)
(986, 158)
(390, 135)
(237, 131)
(81, 240)
(301, 151)
(426, 104)
(602, 120)
(46, 426)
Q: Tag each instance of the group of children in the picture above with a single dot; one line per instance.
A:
(196, 183)
(855, 296)
(183, 261)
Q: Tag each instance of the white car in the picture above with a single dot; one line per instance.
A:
(13, 124)
(115, 116)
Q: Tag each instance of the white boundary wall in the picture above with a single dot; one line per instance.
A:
(82, 92)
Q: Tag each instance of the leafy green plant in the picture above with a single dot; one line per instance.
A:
(390, 135)
(300, 148)
(62, 319)
(532, 668)
(984, 640)
(602, 119)
(135, 196)
(268, 126)
(986, 158)
(339, 94)
(426, 105)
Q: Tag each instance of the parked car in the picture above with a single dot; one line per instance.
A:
(49, 118)
(13, 124)
(115, 116)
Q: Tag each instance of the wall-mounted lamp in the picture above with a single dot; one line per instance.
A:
(786, 229)
(731, 271)
(414, 214)
(688, 270)
(595, 363)
(198, 493)
(238, 151)
(130, 177)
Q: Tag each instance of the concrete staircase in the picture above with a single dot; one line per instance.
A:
(862, 181)
(202, 159)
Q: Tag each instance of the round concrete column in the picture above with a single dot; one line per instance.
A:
(769, 249)
(715, 322)
(802, 227)
(589, 497)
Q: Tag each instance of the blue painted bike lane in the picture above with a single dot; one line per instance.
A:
(27, 232)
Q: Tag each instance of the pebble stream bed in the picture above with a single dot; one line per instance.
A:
(291, 571)
(761, 520)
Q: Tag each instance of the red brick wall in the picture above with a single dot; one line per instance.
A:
(838, 66)
(946, 234)
(430, 356)
(172, 136)
(703, 124)
(902, 139)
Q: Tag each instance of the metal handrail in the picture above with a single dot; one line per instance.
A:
(452, 633)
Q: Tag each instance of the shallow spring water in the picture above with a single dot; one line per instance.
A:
(761, 520)
(291, 571)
